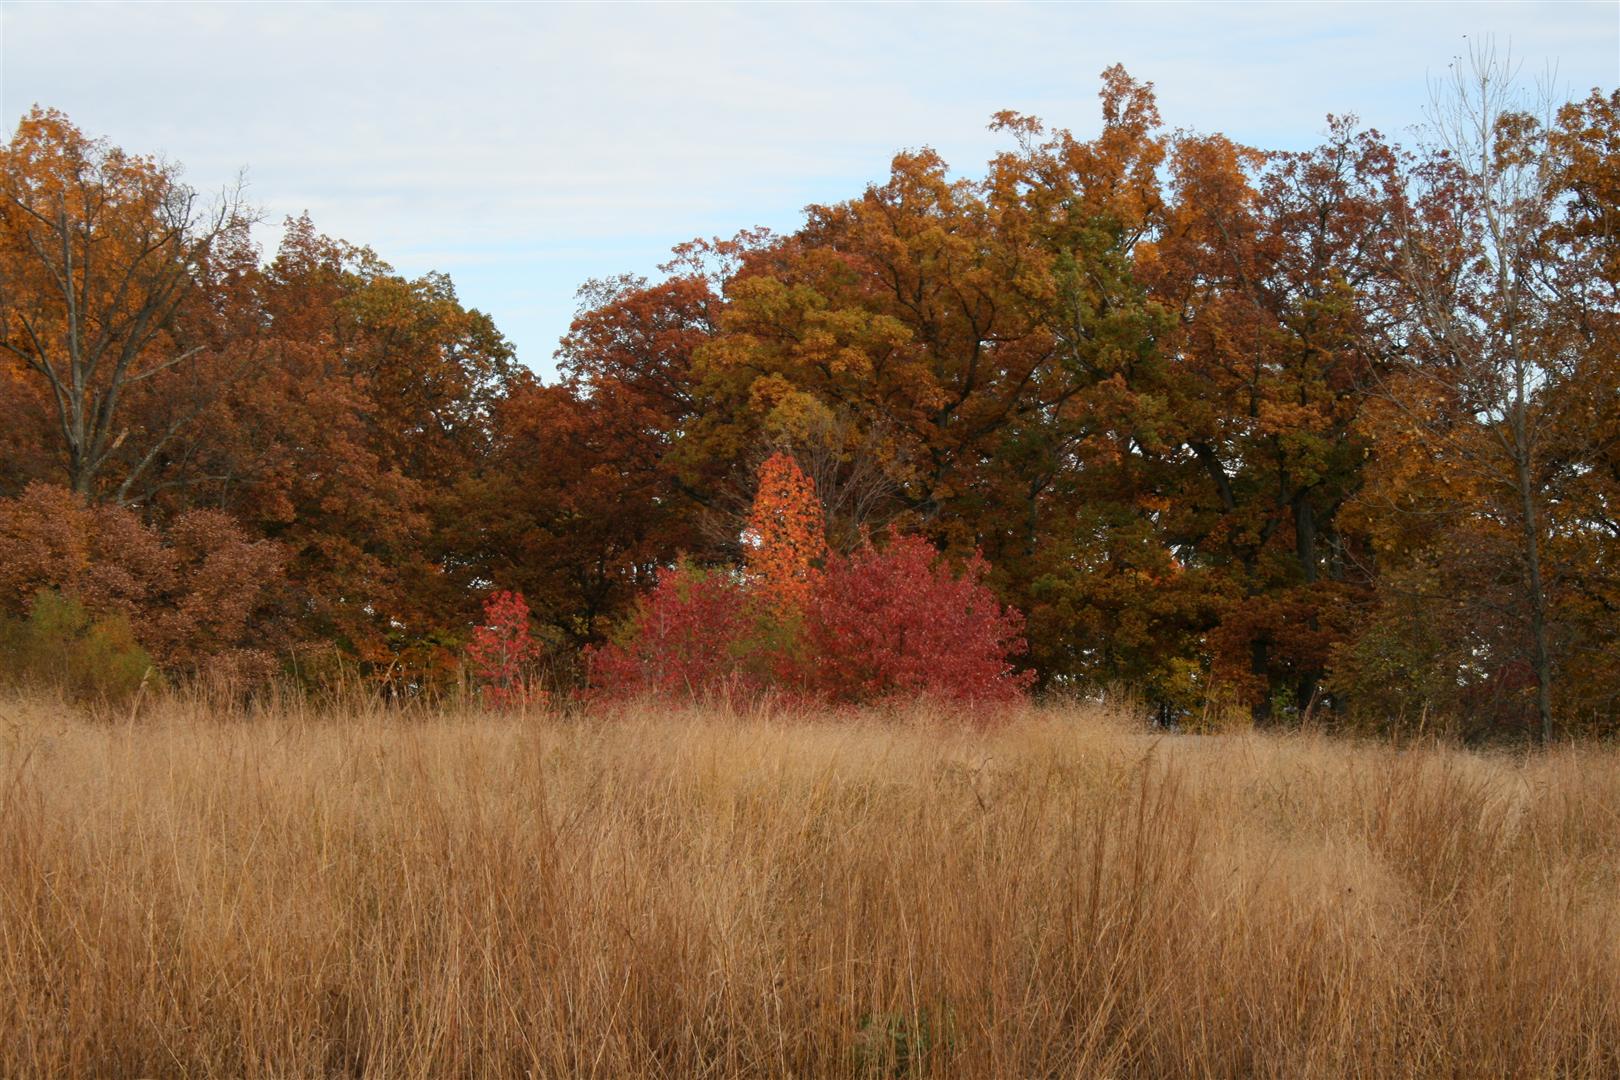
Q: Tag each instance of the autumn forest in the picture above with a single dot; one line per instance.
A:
(1216, 429)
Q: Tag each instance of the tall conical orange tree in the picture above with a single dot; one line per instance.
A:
(786, 538)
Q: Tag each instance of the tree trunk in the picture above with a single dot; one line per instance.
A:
(1305, 552)
(1305, 536)
(1259, 663)
(1541, 655)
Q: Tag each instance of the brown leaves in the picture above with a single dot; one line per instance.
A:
(200, 595)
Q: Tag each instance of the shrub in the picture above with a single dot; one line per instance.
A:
(200, 593)
(61, 644)
(694, 636)
(502, 650)
(882, 624)
(871, 626)
(898, 621)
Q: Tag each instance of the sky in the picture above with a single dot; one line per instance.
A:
(526, 148)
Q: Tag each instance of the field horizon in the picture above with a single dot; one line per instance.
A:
(701, 893)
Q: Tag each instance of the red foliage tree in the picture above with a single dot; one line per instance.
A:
(501, 651)
(689, 638)
(897, 621)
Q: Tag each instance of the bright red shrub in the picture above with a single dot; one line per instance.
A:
(897, 622)
(881, 624)
(871, 626)
(689, 638)
(501, 651)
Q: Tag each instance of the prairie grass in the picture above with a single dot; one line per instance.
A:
(705, 894)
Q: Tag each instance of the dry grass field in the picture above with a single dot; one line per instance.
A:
(712, 895)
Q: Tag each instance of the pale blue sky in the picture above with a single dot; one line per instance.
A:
(526, 148)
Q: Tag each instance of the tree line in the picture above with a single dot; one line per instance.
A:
(1333, 431)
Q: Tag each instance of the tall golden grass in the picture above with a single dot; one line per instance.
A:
(717, 895)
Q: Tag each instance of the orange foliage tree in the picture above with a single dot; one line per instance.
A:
(785, 541)
(107, 263)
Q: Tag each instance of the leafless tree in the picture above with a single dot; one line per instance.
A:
(1471, 390)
